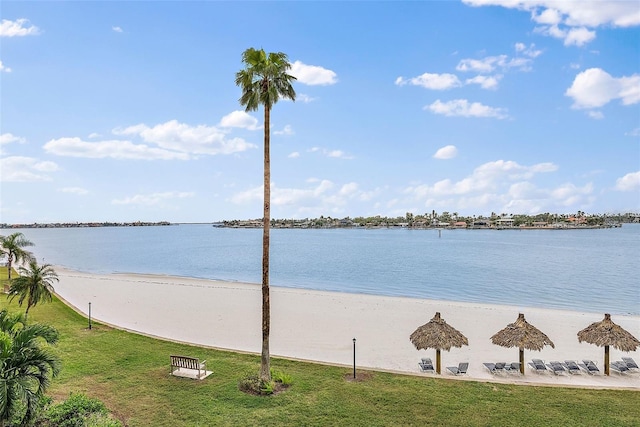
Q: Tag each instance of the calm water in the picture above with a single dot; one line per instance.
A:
(585, 270)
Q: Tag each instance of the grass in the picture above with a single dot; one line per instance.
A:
(130, 374)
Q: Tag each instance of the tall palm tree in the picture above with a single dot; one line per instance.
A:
(12, 246)
(25, 365)
(263, 81)
(34, 284)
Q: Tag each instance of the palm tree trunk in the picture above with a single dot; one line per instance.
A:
(9, 263)
(265, 365)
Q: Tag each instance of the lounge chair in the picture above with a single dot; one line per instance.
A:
(538, 366)
(556, 368)
(461, 369)
(590, 367)
(631, 364)
(513, 368)
(572, 367)
(491, 367)
(620, 367)
(427, 366)
(501, 367)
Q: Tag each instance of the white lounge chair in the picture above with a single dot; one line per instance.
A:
(557, 368)
(572, 367)
(590, 367)
(538, 366)
(461, 369)
(620, 367)
(427, 366)
(631, 364)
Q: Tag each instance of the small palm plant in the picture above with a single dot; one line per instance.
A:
(26, 366)
(35, 284)
(12, 246)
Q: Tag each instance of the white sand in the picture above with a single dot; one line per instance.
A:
(320, 326)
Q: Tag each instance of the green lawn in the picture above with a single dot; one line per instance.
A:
(130, 374)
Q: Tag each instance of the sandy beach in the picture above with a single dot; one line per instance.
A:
(320, 326)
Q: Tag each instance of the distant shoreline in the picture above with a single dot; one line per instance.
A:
(301, 227)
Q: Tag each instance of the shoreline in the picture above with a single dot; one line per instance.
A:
(319, 326)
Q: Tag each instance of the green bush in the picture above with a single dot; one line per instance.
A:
(281, 377)
(251, 383)
(79, 411)
(267, 387)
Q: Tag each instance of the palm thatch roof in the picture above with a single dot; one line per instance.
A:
(606, 333)
(437, 334)
(521, 334)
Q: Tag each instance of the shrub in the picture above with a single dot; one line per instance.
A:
(250, 383)
(281, 377)
(267, 387)
(79, 411)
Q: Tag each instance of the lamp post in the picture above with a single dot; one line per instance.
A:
(354, 358)
(89, 316)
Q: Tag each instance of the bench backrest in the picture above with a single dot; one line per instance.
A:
(185, 362)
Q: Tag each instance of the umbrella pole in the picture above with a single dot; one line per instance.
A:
(438, 360)
(522, 360)
(606, 360)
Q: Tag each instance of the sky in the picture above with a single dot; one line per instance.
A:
(128, 111)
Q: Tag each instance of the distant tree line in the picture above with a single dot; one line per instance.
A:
(445, 219)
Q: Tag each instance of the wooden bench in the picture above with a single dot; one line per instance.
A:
(191, 363)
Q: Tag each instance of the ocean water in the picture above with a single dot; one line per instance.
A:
(584, 270)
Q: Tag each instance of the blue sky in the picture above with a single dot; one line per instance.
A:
(126, 111)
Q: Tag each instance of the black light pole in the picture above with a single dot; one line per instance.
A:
(354, 358)
(89, 315)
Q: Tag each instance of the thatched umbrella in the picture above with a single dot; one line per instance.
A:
(523, 335)
(606, 333)
(439, 335)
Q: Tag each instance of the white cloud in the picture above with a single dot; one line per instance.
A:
(239, 119)
(485, 82)
(74, 190)
(152, 199)
(318, 197)
(446, 152)
(634, 132)
(313, 75)
(166, 141)
(294, 155)
(501, 186)
(491, 63)
(336, 154)
(464, 108)
(116, 29)
(572, 37)
(579, 36)
(595, 87)
(18, 28)
(4, 69)
(570, 194)
(8, 138)
(572, 20)
(629, 182)
(287, 130)
(431, 81)
(187, 139)
(596, 115)
(304, 98)
(25, 169)
(114, 149)
(530, 50)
